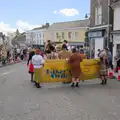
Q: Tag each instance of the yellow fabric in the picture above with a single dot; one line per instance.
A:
(38, 74)
(59, 70)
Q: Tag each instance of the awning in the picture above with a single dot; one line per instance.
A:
(115, 32)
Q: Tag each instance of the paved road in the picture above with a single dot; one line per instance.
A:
(20, 100)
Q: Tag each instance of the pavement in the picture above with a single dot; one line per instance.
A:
(10, 63)
(20, 100)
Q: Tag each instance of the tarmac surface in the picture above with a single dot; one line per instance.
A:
(21, 100)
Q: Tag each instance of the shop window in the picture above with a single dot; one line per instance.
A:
(69, 35)
(118, 48)
(76, 35)
(63, 35)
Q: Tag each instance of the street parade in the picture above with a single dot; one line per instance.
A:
(68, 65)
(60, 60)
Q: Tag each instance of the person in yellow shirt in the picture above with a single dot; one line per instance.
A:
(64, 53)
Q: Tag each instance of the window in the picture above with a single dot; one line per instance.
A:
(69, 35)
(63, 35)
(57, 35)
(40, 35)
(76, 35)
(98, 15)
(52, 36)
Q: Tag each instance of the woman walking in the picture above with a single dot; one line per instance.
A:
(104, 67)
(74, 61)
(38, 63)
(29, 63)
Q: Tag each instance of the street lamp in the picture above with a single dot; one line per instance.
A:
(87, 15)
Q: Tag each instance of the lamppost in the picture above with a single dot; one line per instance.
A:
(87, 15)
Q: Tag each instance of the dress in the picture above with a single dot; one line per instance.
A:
(103, 68)
(74, 61)
(31, 67)
(38, 62)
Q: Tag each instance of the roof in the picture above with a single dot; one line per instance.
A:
(43, 27)
(70, 24)
(19, 39)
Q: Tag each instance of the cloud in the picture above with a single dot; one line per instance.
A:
(24, 26)
(55, 12)
(6, 27)
(67, 12)
(21, 25)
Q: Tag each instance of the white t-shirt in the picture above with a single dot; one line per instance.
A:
(37, 61)
(18, 50)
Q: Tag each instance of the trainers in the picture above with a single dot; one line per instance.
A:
(72, 85)
(102, 83)
(37, 85)
(77, 85)
(105, 82)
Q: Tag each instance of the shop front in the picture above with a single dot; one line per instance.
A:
(116, 44)
(97, 41)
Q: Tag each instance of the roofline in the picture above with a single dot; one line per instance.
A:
(70, 21)
(97, 27)
(76, 28)
(35, 29)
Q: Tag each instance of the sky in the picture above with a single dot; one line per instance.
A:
(28, 14)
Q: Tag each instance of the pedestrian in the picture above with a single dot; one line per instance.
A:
(68, 46)
(74, 61)
(53, 54)
(30, 64)
(48, 48)
(18, 52)
(21, 55)
(4, 55)
(117, 59)
(109, 56)
(81, 49)
(64, 53)
(103, 68)
(38, 63)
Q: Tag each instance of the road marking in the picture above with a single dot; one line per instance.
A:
(6, 73)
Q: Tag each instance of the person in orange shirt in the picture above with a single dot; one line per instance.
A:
(83, 56)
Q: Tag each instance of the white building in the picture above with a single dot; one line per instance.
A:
(116, 28)
(36, 36)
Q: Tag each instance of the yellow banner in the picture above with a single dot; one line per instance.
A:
(60, 70)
